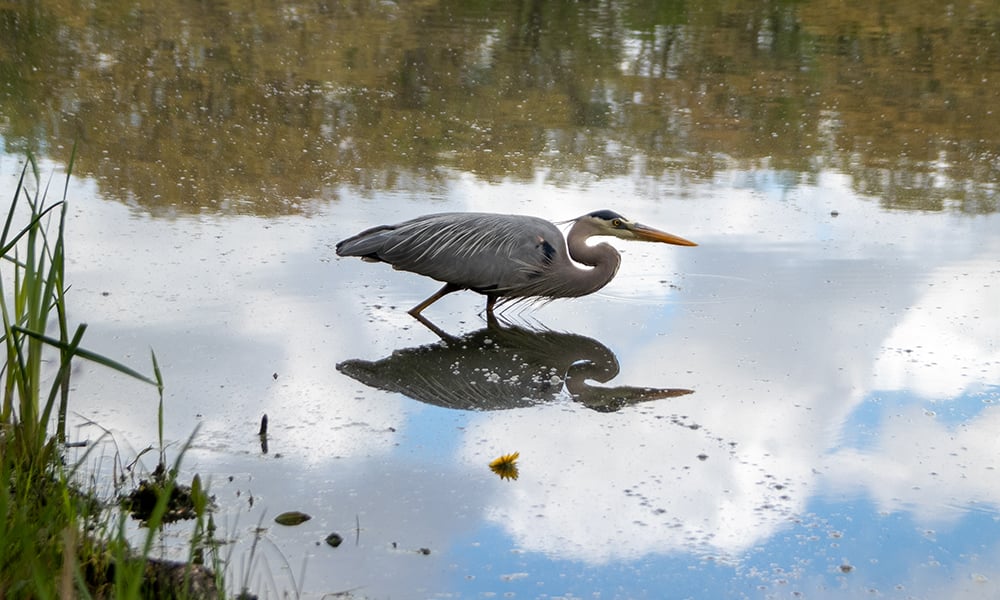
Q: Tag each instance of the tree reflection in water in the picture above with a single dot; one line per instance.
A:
(501, 367)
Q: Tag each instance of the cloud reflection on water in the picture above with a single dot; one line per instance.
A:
(785, 341)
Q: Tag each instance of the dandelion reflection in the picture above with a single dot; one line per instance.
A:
(505, 466)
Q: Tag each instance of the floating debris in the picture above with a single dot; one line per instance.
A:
(291, 518)
(334, 540)
(262, 434)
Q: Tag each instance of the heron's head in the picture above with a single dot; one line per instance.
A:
(608, 222)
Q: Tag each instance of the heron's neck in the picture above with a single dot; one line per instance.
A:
(603, 259)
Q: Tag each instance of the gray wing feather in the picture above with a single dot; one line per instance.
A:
(480, 251)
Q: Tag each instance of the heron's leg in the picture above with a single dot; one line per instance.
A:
(447, 289)
(440, 332)
(491, 318)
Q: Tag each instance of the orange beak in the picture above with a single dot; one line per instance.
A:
(649, 234)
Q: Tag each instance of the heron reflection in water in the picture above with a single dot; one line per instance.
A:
(507, 258)
(504, 367)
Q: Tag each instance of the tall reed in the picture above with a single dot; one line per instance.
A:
(46, 524)
(33, 301)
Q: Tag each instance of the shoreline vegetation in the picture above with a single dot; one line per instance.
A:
(62, 539)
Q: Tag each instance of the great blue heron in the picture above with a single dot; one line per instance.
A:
(505, 257)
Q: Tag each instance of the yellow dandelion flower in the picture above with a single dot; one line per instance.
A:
(505, 466)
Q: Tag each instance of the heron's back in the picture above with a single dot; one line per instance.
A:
(480, 251)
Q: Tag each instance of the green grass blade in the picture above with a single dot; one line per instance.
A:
(57, 384)
(13, 206)
(87, 354)
(159, 409)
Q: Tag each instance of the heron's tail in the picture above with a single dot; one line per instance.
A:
(366, 244)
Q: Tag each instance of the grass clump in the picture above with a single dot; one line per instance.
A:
(59, 540)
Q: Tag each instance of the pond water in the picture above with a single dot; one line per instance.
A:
(804, 404)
